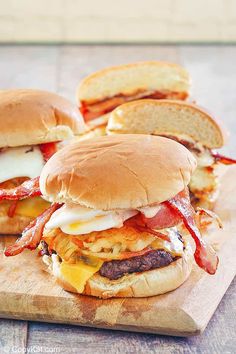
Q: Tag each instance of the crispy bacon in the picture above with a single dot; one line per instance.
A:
(32, 234)
(127, 255)
(171, 213)
(76, 241)
(205, 255)
(12, 183)
(207, 217)
(164, 218)
(193, 147)
(48, 150)
(139, 223)
(222, 159)
(89, 115)
(12, 209)
(95, 110)
(29, 188)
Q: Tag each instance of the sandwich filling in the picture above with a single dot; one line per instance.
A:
(19, 179)
(95, 109)
(118, 251)
(78, 242)
(204, 183)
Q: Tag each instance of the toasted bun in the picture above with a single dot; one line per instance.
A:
(127, 79)
(29, 117)
(149, 283)
(14, 225)
(165, 117)
(119, 171)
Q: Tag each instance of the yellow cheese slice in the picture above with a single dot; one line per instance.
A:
(79, 273)
(31, 207)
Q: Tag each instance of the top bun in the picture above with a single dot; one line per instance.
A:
(30, 117)
(117, 172)
(128, 79)
(167, 117)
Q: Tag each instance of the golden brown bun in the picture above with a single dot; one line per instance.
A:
(127, 79)
(14, 225)
(149, 283)
(29, 117)
(118, 171)
(166, 117)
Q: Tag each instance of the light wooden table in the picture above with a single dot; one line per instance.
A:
(59, 68)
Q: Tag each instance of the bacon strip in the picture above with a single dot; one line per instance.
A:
(205, 255)
(139, 223)
(95, 110)
(223, 159)
(12, 209)
(127, 255)
(206, 217)
(29, 188)
(164, 218)
(48, 150)
(180, 205)
(32, 234)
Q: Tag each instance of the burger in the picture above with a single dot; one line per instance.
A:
(186, 123)
(33, 123)
(113, 227)
(101, 92)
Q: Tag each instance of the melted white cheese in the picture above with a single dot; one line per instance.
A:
(24, 161)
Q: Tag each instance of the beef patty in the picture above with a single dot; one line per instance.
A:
(117, 268)
(44, 251)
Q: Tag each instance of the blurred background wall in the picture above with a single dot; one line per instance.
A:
(124, 21)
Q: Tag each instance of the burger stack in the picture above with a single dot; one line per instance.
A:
(110, 204)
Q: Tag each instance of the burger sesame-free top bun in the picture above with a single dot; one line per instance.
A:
(167, 117)
(130, 78)
(29, 117)
(118, 171)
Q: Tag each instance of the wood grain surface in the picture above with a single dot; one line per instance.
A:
(59, 68)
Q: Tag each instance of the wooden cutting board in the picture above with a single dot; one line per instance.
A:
(28, 292)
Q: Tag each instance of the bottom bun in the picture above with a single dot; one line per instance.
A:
(14, 225)
(153, 282)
